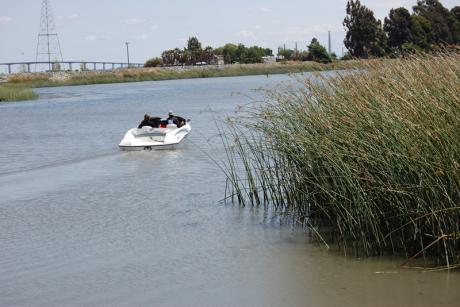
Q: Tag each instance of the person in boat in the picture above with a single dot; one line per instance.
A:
(181, 120)
(145, 122)
(172, 119)
(176, 120)
(155, 121)
(151, 121)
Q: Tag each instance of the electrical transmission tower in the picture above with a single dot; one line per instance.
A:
(48, 47)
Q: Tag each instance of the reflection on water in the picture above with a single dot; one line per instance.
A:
(82, 223)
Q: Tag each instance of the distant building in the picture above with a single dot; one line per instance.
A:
(56, 67)
(279, 58)
(269, 59)
(217, 60)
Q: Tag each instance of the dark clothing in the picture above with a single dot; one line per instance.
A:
(177, 120)
(173, 120)
(143, 123)
(153, 122)
(181, 121)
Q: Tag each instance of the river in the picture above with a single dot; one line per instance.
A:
(82, 223)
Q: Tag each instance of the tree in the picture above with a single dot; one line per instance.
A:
(303, 55)
(207, 55)
(194, 48)
(180, 57)
(456, 12)
(253, 54)
(176, 57)
(185, 57)
(228, 52)
(193, 44)
(317, 52)
(364, 36)
(397, 27)
(287, 54)
(445, 26)
(239, 52)
(421, 32)
(154, 62)
(168, 57)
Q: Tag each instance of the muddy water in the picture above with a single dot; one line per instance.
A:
(82, 223)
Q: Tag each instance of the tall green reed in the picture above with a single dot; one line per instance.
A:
(369, 159)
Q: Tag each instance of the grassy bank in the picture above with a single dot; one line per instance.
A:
(168, 73)
(19, 86)
(14, 92)
(369, 160)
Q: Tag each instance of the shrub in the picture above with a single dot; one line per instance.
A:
(155, 62)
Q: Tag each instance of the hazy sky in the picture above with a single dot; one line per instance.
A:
(98, 29)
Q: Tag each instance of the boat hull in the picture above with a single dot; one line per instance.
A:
(148, 138)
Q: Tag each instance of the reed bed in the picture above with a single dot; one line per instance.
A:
(368, 159)
(170, 73)
(12, 92)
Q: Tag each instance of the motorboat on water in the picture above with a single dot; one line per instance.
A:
(149, 138)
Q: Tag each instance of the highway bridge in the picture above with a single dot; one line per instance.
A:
(27, 67)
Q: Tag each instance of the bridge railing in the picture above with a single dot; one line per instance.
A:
(27, 67)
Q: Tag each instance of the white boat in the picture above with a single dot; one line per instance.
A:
(148, 138)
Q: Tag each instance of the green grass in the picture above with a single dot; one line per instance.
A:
(369, 160)
(14, 92)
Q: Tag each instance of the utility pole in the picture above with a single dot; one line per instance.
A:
(329, 47)
(127, 51)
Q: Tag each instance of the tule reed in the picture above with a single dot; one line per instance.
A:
(368, 159)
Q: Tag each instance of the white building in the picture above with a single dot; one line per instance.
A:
(269, 59)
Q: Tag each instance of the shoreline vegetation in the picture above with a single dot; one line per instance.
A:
(16, 92)
(430, 28)
(19, 86)
(368, 160)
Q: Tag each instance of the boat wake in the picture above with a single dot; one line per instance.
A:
(59, 163)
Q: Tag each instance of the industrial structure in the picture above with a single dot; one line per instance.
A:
(49, 55)
(25, 67)
(48, 46)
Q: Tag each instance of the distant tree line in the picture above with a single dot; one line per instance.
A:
(428, 28)
(194, 54)
(241, 54)
(316, 52)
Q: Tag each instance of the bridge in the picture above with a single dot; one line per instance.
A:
(67, 65)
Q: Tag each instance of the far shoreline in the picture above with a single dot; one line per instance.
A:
(25, 82)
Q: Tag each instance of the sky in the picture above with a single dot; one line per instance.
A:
(97, 30)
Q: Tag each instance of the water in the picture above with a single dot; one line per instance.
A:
(82, 223)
